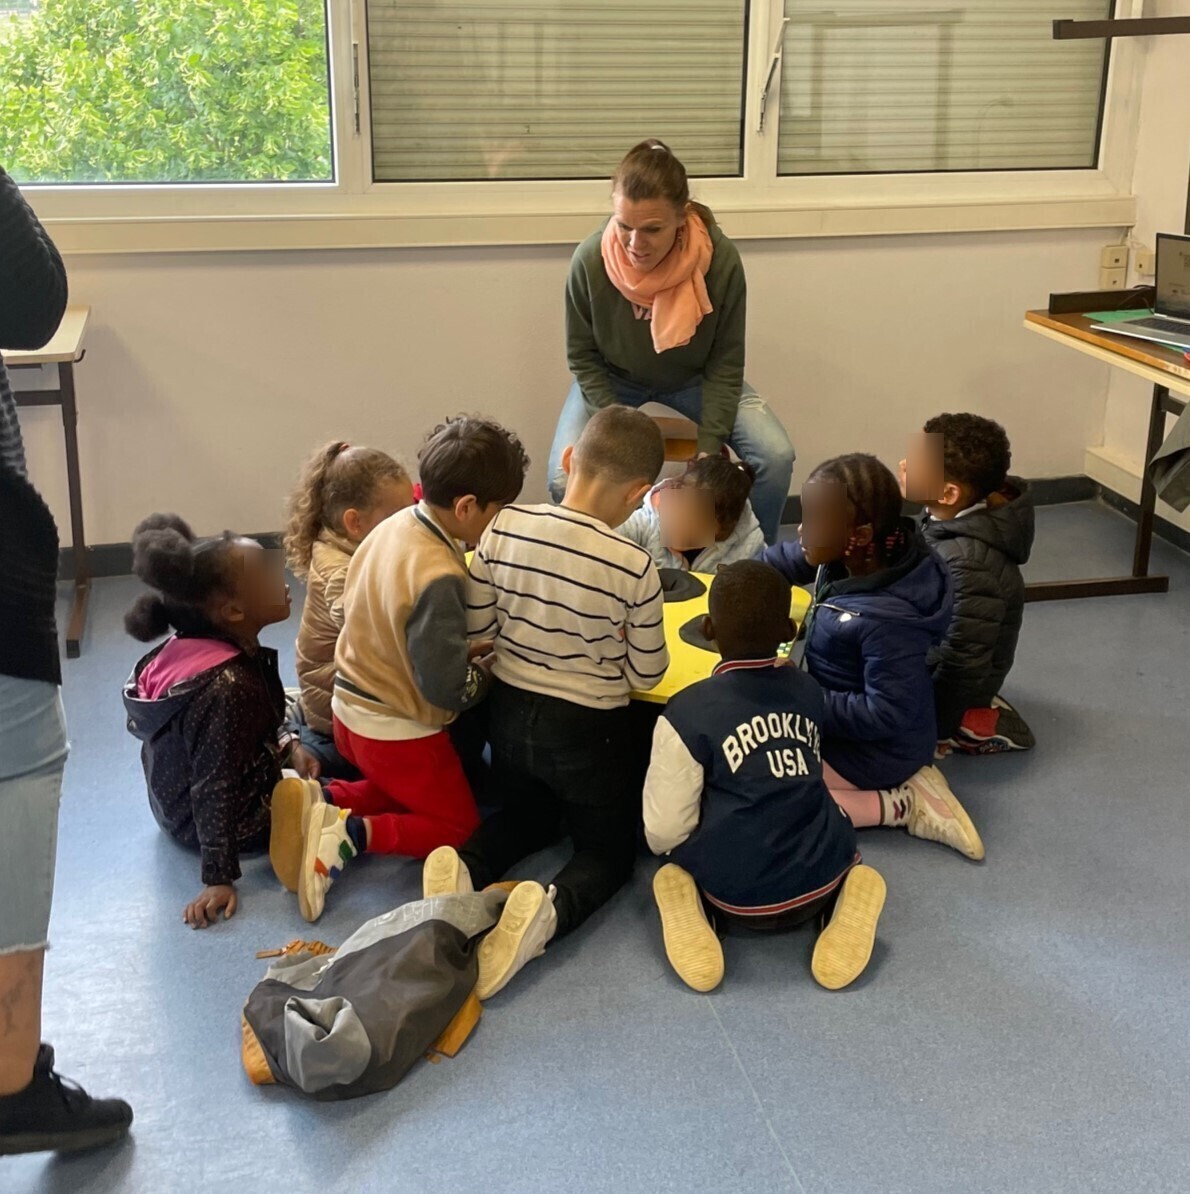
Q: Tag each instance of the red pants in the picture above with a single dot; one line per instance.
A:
(413, 793)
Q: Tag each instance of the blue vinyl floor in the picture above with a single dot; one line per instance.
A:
(1024, 1025)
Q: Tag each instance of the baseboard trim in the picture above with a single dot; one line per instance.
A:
(115, 559)
(1162, 528)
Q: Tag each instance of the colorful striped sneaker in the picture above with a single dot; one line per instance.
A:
(691, 945)
(844, 947)
(326, 849)
(292, 799)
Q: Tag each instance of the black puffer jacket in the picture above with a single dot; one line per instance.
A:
(984, 551)
(212, 753)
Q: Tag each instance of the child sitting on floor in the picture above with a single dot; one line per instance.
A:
(577, 616)
(404, 671)
(344, 493)
(980, 521)
(735, 797)
(208, 705)
(882, 600)
(701, 519)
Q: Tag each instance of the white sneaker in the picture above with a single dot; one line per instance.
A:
(445, 873)
(326, 849)
(293, 797)
(526, 926)
(936, 815)
(691, 945)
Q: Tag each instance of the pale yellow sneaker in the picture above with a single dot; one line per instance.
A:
(292, 798)
(445, 873)
(526, 926)
(936, 815)
(844, 947)
(691, 945)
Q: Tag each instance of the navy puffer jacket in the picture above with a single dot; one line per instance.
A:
(866, 644)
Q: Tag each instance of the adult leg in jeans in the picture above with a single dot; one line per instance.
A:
(34, 1113)
(576, 414)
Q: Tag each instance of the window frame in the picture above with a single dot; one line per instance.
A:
(355, 212)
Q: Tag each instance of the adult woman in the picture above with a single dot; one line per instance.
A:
(37, 1111)
(655, 312)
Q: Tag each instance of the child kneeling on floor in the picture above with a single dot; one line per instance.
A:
(404, 670)
(980, 521)
(735, 797)
(344, 494)
(701, 519)
(882, 601)
(576, 613)
(208, 705)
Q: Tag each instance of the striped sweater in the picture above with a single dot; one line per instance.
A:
(32, 299)
(575, 610)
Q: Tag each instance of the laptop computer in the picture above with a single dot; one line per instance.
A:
(1170, 321)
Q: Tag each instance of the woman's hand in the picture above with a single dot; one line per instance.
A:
(305, 763)
(205, 909)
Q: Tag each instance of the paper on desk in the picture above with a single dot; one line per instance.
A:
(1117, 316)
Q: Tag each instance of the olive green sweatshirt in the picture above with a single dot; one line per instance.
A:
(606, 334)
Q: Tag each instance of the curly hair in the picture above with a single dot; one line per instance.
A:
(469, 455)
(186, 572)
(337, 478)
(975, 451)
(729, 480)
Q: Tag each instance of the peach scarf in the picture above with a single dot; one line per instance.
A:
(675, 292)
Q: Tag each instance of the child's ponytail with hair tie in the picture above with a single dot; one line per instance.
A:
(306, 507)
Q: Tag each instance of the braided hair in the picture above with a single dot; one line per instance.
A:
(876, 495)
(185, 572)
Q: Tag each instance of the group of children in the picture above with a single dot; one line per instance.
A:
(411, 660)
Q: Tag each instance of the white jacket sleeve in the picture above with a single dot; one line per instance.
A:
(673, 791)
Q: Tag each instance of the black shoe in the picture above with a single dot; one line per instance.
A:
(52, 1114)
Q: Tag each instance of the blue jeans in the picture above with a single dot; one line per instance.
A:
(32, 760)
(758, 437)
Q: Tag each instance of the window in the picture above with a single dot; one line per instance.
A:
(558, 89)
(938, 86)
(177, 91)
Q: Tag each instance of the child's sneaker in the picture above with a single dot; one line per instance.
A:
(936, 815)
(525, 928)
(844, 947)
(445, 873)
(292, 799)
(52, 1114)
(995, 730)
(691, 945)
(326, 848)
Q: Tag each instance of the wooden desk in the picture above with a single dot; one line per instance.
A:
(63, 352)
(1169, 373)
(689, 664)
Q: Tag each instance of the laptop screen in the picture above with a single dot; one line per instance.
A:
(1173, 276)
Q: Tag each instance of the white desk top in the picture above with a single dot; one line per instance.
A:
(67, 344)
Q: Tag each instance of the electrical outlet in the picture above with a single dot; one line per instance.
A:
(1146, 262)
(1112, 279)
(1113, 257)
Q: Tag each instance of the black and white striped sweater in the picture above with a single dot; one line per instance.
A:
(32, 300)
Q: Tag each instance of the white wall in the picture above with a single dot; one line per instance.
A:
(1160, 184)
(209, 377)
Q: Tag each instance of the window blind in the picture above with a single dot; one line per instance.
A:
(496, 89)
(870, 86)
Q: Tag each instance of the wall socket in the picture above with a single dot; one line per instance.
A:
(1113, 279)
(1113, 257)
(1146, 262)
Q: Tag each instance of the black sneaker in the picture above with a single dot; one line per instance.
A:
(52, 1114)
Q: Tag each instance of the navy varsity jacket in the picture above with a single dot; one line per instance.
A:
(735, 794)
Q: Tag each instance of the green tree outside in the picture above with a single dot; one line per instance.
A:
(165, 91)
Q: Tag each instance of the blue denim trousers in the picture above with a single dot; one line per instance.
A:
(758, 437)
(32, 759)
